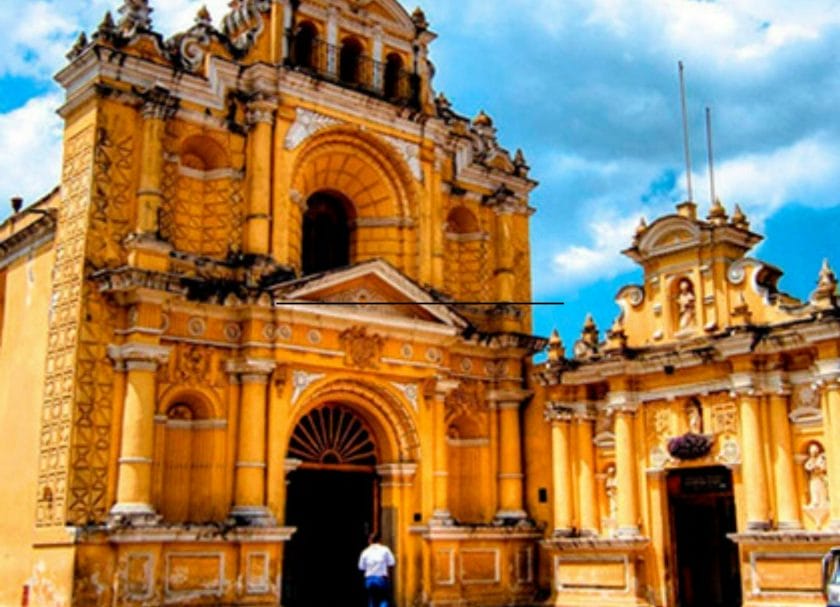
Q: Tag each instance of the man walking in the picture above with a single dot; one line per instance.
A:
(377, 561)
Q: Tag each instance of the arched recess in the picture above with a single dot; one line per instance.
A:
(374, 179)
(468, 271)
(468, 455)
(385, 413)
(203, 213)
(189, 459)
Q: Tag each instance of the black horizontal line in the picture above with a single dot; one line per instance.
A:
(284, 302)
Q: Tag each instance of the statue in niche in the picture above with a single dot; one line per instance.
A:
(687, 304)
(816, 467)
(611, 489)
(694, 415)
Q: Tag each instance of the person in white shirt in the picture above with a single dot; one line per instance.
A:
(377, 561)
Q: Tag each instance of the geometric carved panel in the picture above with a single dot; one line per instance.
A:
(139, 580)
(592, 573)
(786, 573)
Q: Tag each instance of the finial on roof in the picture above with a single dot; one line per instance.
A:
(519, 159)
(482, 119)
(687, 209)
(419, 19)
(717, 214)
(556, 349)
(617, 337)
(106, 26)
(587, 346)
(442, 102)
(826, 292)
(739, 218)
(203, 16)
(78, 47)
(136, 17)
(642, 227)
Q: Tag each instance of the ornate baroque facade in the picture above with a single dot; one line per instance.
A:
(258, 287)
(247, 330)
(694, 449)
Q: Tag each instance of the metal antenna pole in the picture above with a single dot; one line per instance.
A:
(709, 141)
(685, 134)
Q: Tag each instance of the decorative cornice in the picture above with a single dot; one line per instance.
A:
(139, 356)
(251, 367)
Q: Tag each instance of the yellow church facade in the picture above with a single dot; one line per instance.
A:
(694, 448)
(252, 319)
(279, 302)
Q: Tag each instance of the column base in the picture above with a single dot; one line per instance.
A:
(628, 532)
(133, 515)
(758, 526)
(253, 516)
(789, 526)
(510, 517)
(563, 533)
(441, 518)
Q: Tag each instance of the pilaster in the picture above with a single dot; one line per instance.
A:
(829, 379)
(754, 472)
(440, 462)
(560, 417)
(788, 513)
(258, 220)
(511, 502)
(625, 406)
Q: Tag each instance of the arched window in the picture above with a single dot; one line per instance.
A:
(393, 70)
(350, 61)
(326, 234)
(304, 47)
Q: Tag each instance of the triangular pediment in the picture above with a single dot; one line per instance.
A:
(373, 287)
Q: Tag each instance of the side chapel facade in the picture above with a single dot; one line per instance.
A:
(247, 325)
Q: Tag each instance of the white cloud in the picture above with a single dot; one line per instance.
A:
(583, 264)
(30, 150)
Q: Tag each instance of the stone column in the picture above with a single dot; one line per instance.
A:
(754, 472)
(258, 221)
(157, 109)
(134, 481)
(378, 65)
(249, 480)
(625, 465)
(587, 507)
(511, 503)
(440, 462)
(788, 513)
(332, 41)
(561, 467)
(829, 374)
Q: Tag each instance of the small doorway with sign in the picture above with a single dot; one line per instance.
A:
(702, 514)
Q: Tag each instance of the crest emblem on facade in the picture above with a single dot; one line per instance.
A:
(361, 350)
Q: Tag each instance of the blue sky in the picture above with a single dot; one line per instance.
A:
(589, 90)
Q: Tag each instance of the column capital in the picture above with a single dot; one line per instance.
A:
(251, 370)
(398, 470)
(159, 104)
(508, 398)
(559, 412)
(138, 356)
(622, 402)
(438, 388)
(828, 372)
(743, 384)
(261, 110)
(776, 383)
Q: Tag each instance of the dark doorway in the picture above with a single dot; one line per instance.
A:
(349, 62)
(333, 500)
(702, 511)
(326, 234)
(334, 514)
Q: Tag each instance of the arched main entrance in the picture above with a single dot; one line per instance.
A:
(333, 501)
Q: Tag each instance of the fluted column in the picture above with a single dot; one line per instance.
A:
(157, 109)
(754, 470)
(511, 503)
(561, 468)
(587, 500)
(250, 473)
(134, 481)
(625, 465)
(440, 461)
(258, 221)
(788, 513)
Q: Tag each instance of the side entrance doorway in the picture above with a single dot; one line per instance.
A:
(333, 501)
(702, 513)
